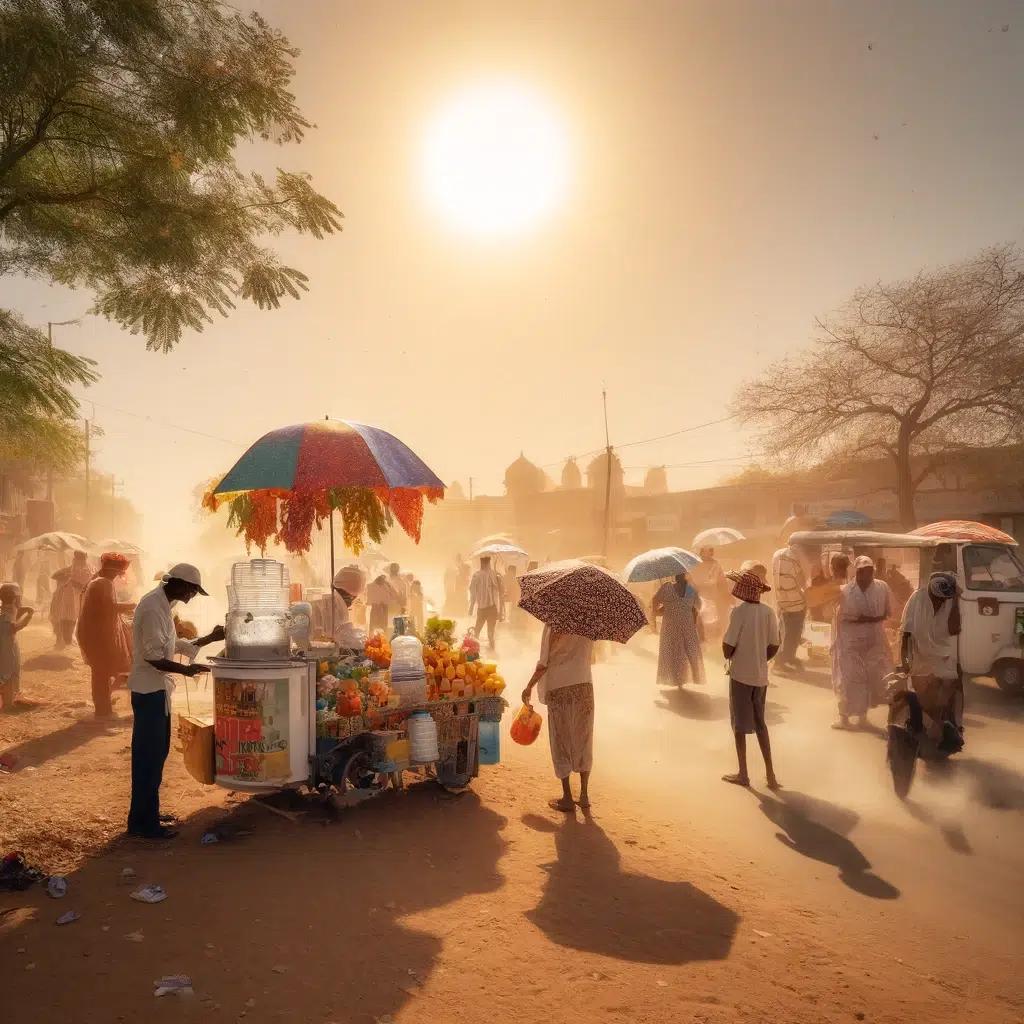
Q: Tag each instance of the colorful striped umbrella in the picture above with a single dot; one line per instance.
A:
(295, 477)
(964, 530)
(328, 454)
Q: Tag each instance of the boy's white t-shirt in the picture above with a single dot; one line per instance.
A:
(753, 628)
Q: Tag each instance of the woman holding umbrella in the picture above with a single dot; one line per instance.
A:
(578, 604)
(679, 605)
(680, 654)
(566, 687)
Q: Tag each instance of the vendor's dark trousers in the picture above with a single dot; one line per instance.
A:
(151, 742)
(486, 617)
(792, 634)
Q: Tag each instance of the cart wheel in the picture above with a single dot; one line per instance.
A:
(1009, 675)
(358, 774)
(901, 754)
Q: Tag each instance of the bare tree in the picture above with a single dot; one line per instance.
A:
(913, 371)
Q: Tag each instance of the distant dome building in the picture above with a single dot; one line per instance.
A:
(596, 473)
(523, 477)
(656, 480)
(455, 492)
(572, 478)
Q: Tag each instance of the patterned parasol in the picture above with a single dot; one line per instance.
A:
(294, 478)
(962, 529)
(584, 599)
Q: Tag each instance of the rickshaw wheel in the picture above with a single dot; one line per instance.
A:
(1009, 675)
(901, 753)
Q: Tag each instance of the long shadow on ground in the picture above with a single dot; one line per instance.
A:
(698, 704)
(41, 749)
(817, 829)
(300, 920)
(591, 904)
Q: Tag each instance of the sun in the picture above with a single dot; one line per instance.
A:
(495, 159)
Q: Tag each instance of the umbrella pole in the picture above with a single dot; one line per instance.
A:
(332, 574)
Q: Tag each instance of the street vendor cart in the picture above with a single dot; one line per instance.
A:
(268, 734)
(290, 713)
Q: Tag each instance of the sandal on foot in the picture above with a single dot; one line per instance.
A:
(561, 805)
(737, 780)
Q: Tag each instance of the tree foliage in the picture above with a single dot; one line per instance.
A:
(37, 407)
(118, 126)
(914, 371)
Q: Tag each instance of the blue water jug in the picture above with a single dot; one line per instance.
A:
(490, 742)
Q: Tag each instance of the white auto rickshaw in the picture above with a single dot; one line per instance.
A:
(991, 579)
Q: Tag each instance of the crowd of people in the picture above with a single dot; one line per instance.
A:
(88, 606)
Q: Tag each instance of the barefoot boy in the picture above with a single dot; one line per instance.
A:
(750, 642)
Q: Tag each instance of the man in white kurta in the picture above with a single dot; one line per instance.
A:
(931, 623)
(862, 655)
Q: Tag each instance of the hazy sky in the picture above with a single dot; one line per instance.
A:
(736, 169)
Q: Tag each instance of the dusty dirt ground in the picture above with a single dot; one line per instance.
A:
(680, 899)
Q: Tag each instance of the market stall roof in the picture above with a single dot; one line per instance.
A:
(865, 539)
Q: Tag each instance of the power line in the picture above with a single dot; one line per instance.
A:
(170, 425)
(646, 440)
(675, 433)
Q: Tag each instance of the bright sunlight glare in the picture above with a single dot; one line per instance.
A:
(495, 159)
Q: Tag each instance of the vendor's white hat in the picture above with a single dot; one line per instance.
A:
(187, 574)
(863, 562)
(351, 579)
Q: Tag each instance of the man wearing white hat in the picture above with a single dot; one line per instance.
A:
(349, 582)
(861, 655)
(155, 642)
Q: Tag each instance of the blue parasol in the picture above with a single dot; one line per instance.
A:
(659, 564)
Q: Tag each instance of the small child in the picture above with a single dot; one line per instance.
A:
(750, 642)
(13, 619)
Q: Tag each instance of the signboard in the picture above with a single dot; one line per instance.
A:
(251, 729)
(663, 524)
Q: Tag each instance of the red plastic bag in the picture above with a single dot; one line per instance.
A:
(526, 725)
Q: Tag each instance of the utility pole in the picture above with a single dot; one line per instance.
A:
(471, 490)
(50, 324)
(607, 473)
(113, 506)
(85, 517)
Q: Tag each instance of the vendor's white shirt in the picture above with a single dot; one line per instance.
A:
(154, 638)
(347, 635)
(753, 628)
(567, 659)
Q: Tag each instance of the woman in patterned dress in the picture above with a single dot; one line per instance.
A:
(679, 648)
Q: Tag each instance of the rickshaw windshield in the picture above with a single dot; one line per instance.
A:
(992, 567)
